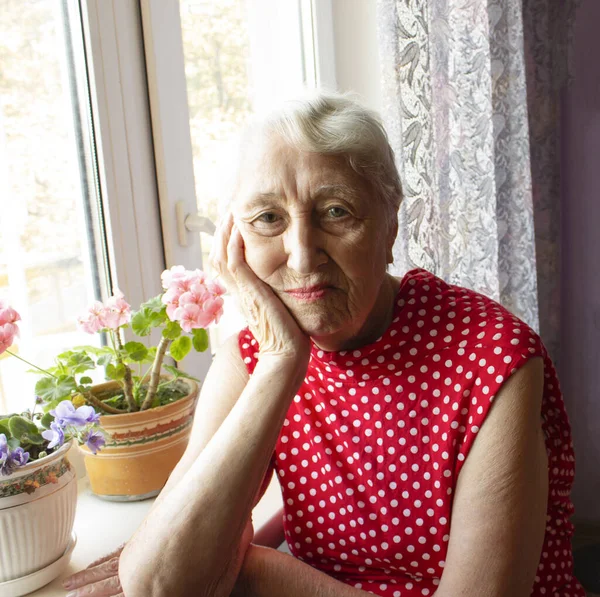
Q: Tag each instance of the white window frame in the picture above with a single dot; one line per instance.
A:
(319, 42)
(123, 141)
(165, 67)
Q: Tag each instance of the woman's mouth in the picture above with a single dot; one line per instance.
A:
(309, 293)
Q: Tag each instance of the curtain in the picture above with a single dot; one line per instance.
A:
(471, 98)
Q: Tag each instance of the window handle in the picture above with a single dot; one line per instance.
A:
(191, 223)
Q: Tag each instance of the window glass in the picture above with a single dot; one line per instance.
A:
(240, 56)
(52, 245)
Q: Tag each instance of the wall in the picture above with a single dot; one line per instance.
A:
(580, 278)
(356, 53)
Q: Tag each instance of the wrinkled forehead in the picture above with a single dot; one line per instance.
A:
(268, 164)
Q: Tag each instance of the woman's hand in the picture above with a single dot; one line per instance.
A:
(273, 326)
(100, 578)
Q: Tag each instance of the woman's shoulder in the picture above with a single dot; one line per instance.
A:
(454, 314)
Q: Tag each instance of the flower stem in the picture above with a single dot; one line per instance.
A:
(30, 364)
(128, 382)
(105, 407)
(155, 375)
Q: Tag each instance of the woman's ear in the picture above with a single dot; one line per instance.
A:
(392, 233)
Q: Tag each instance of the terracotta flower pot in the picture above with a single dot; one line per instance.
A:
(142, 448)
(37, 511)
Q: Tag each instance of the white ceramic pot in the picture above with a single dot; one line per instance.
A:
(37, 511)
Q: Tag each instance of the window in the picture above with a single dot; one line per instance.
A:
(101, 160)
(239, 56)
(53, 255)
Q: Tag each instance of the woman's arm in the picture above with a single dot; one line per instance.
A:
(270, 573)
(190, 542)
(499, 509)
(194, 540)
(222, 387)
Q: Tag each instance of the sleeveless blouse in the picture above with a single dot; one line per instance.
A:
(374, 441)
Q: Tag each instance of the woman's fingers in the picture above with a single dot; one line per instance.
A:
(91, 576)
(219, 250)
(108, 587)
(236, 261)
(108, 556)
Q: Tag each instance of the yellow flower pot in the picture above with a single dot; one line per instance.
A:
(142, 448)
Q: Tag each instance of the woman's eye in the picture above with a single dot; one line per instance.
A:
(336, 212)
(268, 218)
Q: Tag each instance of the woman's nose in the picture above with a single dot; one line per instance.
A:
(305, 252)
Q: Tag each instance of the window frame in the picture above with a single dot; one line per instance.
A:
(124, 145)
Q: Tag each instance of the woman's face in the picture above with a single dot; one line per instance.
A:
(315, 233)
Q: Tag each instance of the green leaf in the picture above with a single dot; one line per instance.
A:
(76, 361)
(14, 443)
(46, 420)
(86, 380)
(154, 305)
(89, 348)
(35, 439)
(141, 323)
(116, 373)
(105, 359)
(51, 388)
(157, 318)
(115, 401)
(53, 370)
(136, 351)
(200, 339)
(180, 348)
(172, 330)
(21, 428)
(177, 373)
(152, 313)
(4, 427)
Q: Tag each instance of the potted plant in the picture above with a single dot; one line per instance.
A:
(146, 406)
(38, 489)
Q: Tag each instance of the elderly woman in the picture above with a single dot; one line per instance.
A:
(417, 429)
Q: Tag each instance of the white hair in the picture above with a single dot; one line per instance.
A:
(329, 122)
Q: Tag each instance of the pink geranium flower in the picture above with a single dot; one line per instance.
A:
(191, 298)
(215, 287)
(197, 293)
(189, 317)
(171, 299)
(8, 314)
(8, 331)
(173, 276)
(93, 320)
(117, 311)
(196, 276)
(171, 295)
(212, 309)
(112, 314)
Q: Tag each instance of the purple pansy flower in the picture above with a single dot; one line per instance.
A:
(3, 447)
(94, 440)
(9, 461)
(55, 435)
(19, 456)
(65, 414)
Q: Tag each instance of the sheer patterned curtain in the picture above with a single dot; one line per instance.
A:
(471, 103)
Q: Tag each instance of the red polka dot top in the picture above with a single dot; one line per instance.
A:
(370, 451)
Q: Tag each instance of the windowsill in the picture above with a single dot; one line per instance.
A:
(101, 526)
